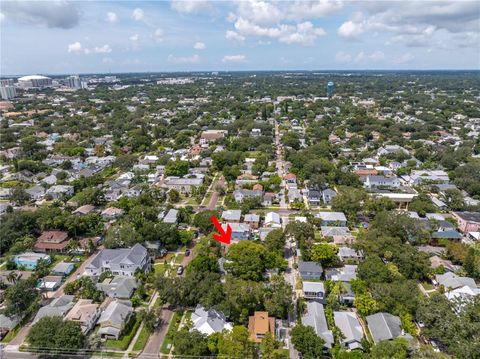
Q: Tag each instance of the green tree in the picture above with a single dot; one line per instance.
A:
(173, 196)
(270, 348)
(190, 343)
(21, 297)
(307, 342)
(203, 222)
(246, 260)
(55, 333)
(324, 253)
(366, 304)
(278, 297)
(396, 349)
(177, 168)
(236, 343)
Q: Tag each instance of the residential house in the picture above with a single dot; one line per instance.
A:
(343, 274)
(313, 290)
(36, 192)
(315, 318)
(451, 281)
(58, 307)
(240, 231)
(85, 313)
(391, 150)
(314, 196)
(112, 213)
(10, 277)
(84, 210)
(171, 217)
(467, 221)
(310, 270)
(120, 261)
(231, 216)
(114, 319)
(272, 219)
(290, 178)
(431, 176)
(52, 241)
(336, 219)
(209, 321)
(211, 136)
(351, 329)
(349, 254)
(372, 181)
(385, 326)
(329, 231)
(118, 287)
(63, 269)
(183, 185)
(59, 191)
(253, 220)
(7, 324)
(328, 195)
(241, 194)
(347, 295)
(50, 282)
(260, 324)
(29, 260)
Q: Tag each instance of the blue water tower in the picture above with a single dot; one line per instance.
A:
(330, 89)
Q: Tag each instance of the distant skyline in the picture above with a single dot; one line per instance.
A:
(62, 37)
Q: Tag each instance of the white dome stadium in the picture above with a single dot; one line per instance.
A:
(33, 77)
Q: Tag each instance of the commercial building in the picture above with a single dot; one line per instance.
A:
(34, 81)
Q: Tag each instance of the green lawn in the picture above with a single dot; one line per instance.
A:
(159, 268)
(172, 329)
(428, 286)
(179, 258)
(11, 334)
(141, 340)
(126, 338)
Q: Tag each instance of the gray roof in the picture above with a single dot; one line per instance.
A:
(58, 307)
(310, 267)
(451, 280)
(332, 216)
(63, 267)
(171, 216)
(349, 325)
(315, 318)
(252, 218)
(343, 274)
(384, 326)
(313, 287)
(8, 322)
(119, 287)
(133, 255)
(232, 215)
(328, 231)
(208, 321)
(113, 318)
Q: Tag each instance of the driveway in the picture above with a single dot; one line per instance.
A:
(79, 271)
(152, 349)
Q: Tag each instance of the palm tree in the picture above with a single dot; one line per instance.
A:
(13, 277)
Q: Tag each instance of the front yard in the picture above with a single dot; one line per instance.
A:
(172, 329)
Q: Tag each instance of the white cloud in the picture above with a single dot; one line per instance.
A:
(75, 48)
(112, 18)
(259, 12)
(107, 60)
(361, 57)
(199, 46)
(234, 36)
(105, 49)
(234, 58)
(304, 33)
(407, 57)
(343, 57)
(158, 35)
(134, 37)
(53, 14)
(351, 30)
(415, 23)
(313, 9)
(137, 14)
(2, 17)
(190, 6)
(184, 60)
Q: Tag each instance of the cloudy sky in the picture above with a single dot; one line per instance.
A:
(121, 36)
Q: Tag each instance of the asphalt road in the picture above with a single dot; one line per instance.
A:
(152, 348)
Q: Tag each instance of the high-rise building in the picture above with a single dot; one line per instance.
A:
(6, 82)
(74, 82)
(8, 92)
(330, 87)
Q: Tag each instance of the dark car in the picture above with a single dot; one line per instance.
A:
(180, 270)
(187, 252)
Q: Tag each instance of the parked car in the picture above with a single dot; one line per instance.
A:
(180, 270)
(187, 252)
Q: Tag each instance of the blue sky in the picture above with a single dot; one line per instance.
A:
(51, 37)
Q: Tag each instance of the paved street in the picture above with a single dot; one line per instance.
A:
(212, 204)
(152, 348)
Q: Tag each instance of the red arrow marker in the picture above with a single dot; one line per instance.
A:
(223, 237)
